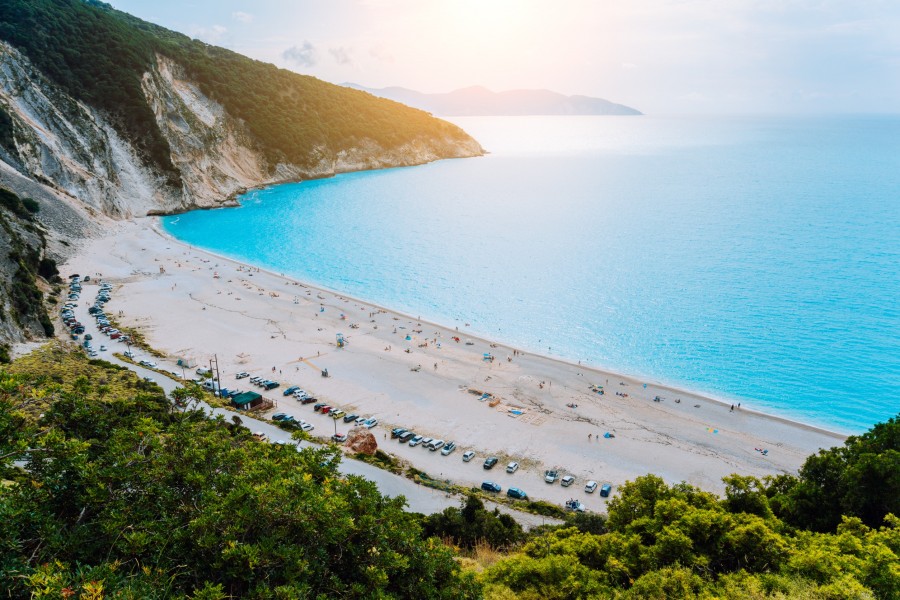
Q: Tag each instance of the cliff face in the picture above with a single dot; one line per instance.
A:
(74, 149)
(73, 161)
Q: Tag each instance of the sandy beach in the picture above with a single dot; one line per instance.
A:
(413, 374)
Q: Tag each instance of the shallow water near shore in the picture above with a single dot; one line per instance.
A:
(753, 259)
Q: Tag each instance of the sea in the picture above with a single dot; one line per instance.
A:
(753, 259)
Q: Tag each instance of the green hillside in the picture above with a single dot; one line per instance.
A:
(99, 55)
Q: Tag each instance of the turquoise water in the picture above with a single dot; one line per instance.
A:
(754, 259)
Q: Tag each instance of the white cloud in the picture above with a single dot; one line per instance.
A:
(304, 55)
(341, 55)
(242, 17)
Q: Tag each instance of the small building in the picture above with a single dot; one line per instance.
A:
(247, 401)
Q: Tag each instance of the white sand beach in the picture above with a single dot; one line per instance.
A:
(190, 303)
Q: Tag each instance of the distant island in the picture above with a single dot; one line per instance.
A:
(480, 101)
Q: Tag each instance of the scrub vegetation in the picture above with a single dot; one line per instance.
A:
(110, 490)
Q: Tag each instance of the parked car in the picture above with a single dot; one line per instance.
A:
(490, 486)
(102, 348)
(516, 493)
(242, 375)
(590, 487)
(129, 354)
(339, 438)
(307, 400)
(326, 409)
(337, 414)
(468, 455)
(426, 442)
(490, 462)
(567, 481)
(575, 505)
(415, 441)
(361, 420)
(436, 445)
(406, 436)
(290, 390)
(512, 467)
(306, 426)
(319, 406)
(448, 448)
(279, 416)
(271, 385)
(395, 432)
(352, 417)
(605, 490)
(550, 476)
(255, 379)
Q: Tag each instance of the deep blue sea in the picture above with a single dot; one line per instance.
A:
(754, 259)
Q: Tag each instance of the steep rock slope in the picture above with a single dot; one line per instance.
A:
(106, 117)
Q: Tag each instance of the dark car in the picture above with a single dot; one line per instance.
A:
(319, 406)
(406, 436)
(279, 416)
(516, 493)
(308, 400)
(396, 431)
(350, 417)
(271, 385)
(605, 489)
(490, 486)
(291, 390)
(489, 463)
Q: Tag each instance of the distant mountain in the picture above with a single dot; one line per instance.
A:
(480, 101)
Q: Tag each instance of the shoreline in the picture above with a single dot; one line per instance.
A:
(599, 370)
(192, 303)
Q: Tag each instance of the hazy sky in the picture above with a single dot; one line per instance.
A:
(660, 56)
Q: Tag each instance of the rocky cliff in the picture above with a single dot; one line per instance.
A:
(82, 172)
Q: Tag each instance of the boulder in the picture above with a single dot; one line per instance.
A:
(361, 439)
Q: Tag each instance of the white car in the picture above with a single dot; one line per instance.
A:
(361, 420)
(129, 353)
(590, 487)
(436, 445)
(370, 423)
(415, 441)
(468, 455)
(102, 348)
(306, 426)
(512, 467)
(241, 375)
(427, 441)
(567, 481)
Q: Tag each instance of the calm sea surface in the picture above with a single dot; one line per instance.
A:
(754, 259)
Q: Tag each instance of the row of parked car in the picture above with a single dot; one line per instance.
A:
(552, 475)
(405, 436)
(291, 422)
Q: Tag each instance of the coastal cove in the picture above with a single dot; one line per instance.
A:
(775, 288)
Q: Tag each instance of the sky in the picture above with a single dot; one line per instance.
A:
(659, 56)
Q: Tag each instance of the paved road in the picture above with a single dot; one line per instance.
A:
(419, 498)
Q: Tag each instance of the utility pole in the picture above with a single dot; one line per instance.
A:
(218, 377)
